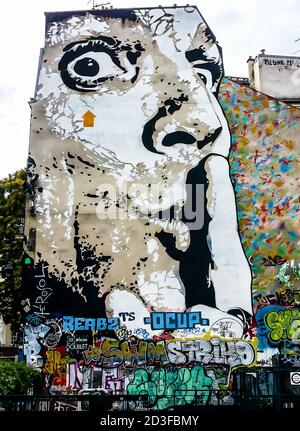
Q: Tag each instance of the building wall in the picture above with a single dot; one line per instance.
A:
(264, 162)
(278, 76)
(5, 334)
(163, 211)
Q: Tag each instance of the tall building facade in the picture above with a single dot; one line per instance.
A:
(162, 220)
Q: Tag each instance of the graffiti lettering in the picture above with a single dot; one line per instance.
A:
(293, 360)
(112, 381)
(44, 294)
(285, 297)
(78, 376)
(71, 323)
(142, 332)
(59, 406)
(166, 388)
(273, 261)
(127, 316)
(283, 325)
(114, 353)
(226, 328)
(77, 343)
(175, 320)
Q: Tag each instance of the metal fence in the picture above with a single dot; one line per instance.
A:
(174, 402)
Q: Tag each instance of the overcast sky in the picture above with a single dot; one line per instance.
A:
(242, 28)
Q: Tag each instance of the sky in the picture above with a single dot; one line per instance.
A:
(242, 28)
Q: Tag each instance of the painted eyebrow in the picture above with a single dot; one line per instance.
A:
(212, 66)
(196, 54)
(106, 39)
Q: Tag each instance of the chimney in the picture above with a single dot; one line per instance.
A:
(251, 76)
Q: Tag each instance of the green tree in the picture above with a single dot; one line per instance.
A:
(17, 379)
(12, 210)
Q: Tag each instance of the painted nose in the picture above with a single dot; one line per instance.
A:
(178, 138)
(211, 137)
(185, 138)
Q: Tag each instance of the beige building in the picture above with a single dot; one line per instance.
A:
(277, 76)
(5, 334)
(7, 349)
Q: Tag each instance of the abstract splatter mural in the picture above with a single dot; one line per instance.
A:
(265, 171)
(162, 212)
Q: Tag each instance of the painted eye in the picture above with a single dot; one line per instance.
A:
(203, 78)
(86, 67)
(206, 77)
(93, 66)
(87, 71)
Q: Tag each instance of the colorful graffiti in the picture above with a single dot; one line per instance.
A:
(129, 354)
(166, 388)
(265, 170)
(166, 212)
(283, 325)
(264, 161)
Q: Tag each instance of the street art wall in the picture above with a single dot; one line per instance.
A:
(265, 172)
(162, 217)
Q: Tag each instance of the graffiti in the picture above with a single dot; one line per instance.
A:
(54, 333)
(56, 384)
(60, 406)
(112, 380)
(123, 333)
(78, 376)
(77, 343)
(265, 300)
(288, 297)
(92, 356)
(44, 293)
(129, 354)
(292, 360)
(219, 393)
(289, 274)
(265, 362)
(268, 131)
(200, 331)
(273, 261)
(127, 316)
(166, 388)
(283, 325)
(226, 328)
(142, 333)
(32, 347)
(71, 323)
(34, 320)
(175, 320)
(55, 364)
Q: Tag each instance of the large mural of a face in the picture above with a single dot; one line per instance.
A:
(132, 208)
(115, 216)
